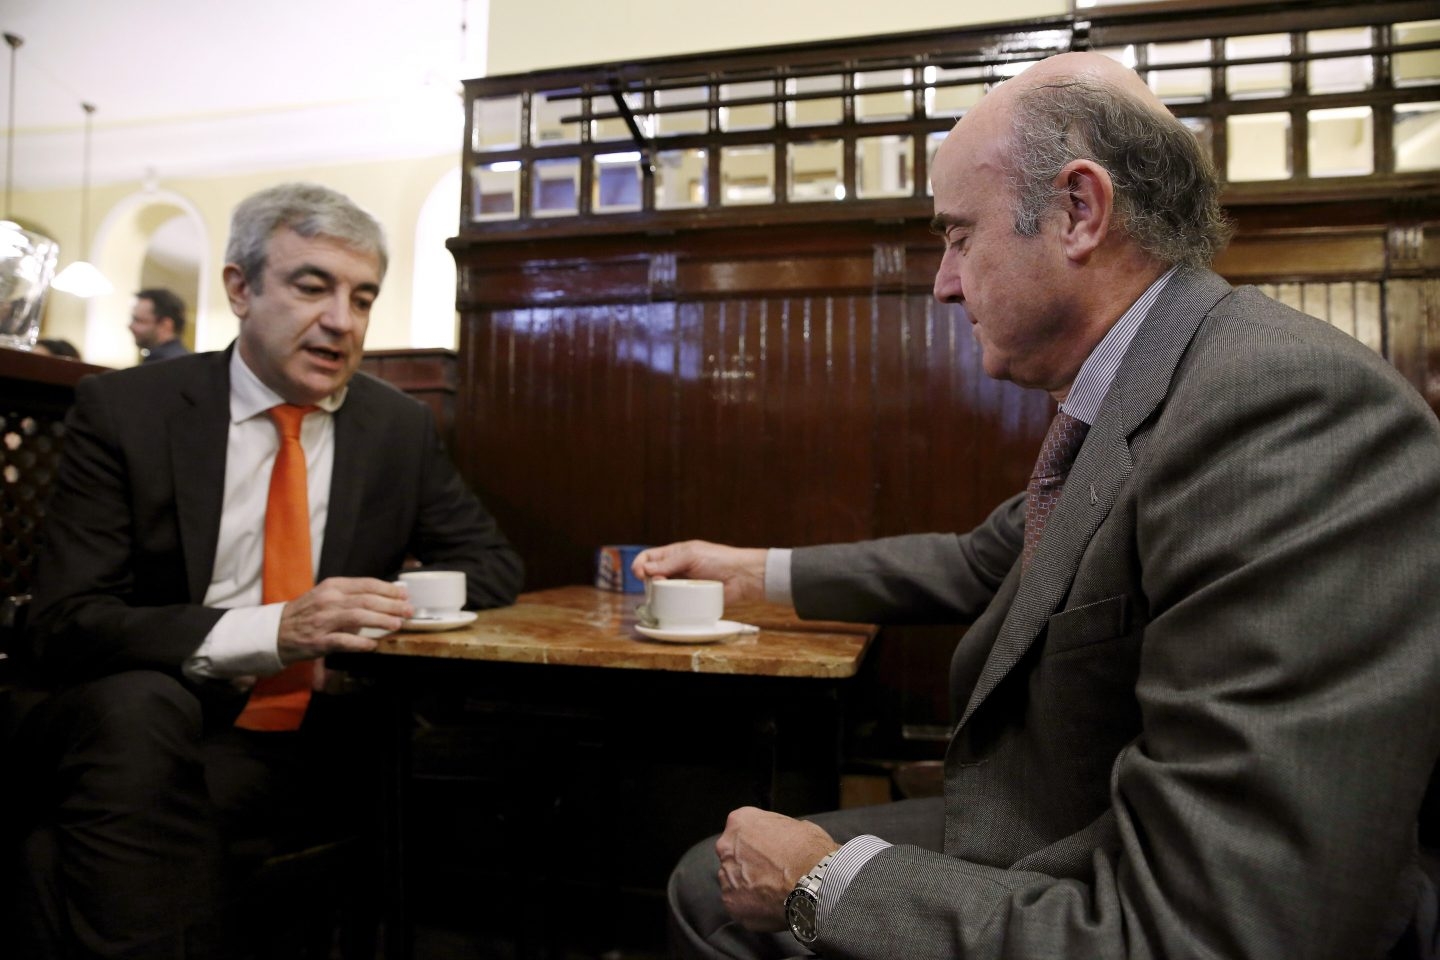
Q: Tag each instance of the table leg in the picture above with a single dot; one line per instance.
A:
(398, 932)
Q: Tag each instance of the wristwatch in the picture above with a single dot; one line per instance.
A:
(803, 903)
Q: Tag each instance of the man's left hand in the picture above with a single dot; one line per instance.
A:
(762, 856)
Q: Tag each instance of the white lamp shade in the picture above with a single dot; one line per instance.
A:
(82, 280)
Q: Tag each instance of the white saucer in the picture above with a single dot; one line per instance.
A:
(433, 624)
(721, 630)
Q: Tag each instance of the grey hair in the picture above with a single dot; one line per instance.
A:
(1167, 193)
(310, 210)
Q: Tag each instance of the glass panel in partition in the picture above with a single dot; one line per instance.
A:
(680, 179)
(1420, 66)
(807, 113)
(894, 105)
(555, 187)
(615, 128)
(1124, 55)
(1252, 80)
(495, 123)
(1204, 132)
(683, 121)
(1339, 74)
(1183, 84)
(1417, 137)
(817, 170)
(1342, 142)
(755, 116)
(948, 95)
(495, 191)
(932, 143)
(747, 175)
(546, 112)
(617, 183)
(883, 166)
(1259, 147)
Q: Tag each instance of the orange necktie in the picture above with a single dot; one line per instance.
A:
(278, 702)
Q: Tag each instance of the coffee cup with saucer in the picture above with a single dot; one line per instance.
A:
(438, 597)
(685, 611)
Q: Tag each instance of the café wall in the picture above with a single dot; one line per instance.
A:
(525, 35)
(392, 190)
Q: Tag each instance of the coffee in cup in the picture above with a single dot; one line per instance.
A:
(435, 594)
(682, 604)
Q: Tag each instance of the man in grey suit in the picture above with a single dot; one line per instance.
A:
(1198, 711)
(155, 622)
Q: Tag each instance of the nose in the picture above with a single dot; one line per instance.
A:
(947, 280)
(338, 315)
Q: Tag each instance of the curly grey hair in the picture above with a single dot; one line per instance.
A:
(1167, 193)
(310, 210)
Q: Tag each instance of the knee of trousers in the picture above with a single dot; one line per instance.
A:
(694, 887)
(140, 725)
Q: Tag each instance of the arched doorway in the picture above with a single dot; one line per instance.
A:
(432, 301)
(151, 239)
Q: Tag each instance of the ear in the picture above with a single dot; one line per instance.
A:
(1089, 199)
(237, 290)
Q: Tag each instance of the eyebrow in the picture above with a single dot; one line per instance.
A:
(310, 270)
(942, 222)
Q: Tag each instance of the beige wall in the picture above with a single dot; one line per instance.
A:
(525, 35)
(393, 191)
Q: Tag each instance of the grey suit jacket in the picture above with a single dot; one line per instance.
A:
(1201, 722)
(133, 522)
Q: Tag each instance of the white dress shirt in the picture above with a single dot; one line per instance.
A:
(245, 641)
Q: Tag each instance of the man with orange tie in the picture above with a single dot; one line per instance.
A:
(220, 523)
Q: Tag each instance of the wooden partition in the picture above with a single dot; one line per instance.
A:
(777, 373)
(770, 387)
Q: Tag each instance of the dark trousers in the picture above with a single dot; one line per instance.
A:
(701, 929)
(146, 811)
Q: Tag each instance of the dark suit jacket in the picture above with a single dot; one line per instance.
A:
(1201, 722)
(132, 526)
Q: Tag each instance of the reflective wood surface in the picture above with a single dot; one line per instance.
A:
(586, 627)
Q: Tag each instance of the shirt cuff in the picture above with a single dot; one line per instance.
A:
(777, 575)
(846, 863)
(244, 642)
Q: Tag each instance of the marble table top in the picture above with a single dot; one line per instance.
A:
(588, 627)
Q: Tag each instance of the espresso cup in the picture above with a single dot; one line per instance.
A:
(682, 604)
(435, 594)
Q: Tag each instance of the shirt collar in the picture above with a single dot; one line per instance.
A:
(1097, 373)
(249, 397)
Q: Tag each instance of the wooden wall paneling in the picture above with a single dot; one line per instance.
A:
(1412, 328)
(1369, 321)
(1430, 369)
(429, 375)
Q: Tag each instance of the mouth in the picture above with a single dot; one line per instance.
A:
(326, 355)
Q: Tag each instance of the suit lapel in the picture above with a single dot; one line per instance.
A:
(352, 424)
(198, 436)
(1101, 469)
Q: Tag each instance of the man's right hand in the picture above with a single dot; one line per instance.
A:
(328, 617)
(742, 570)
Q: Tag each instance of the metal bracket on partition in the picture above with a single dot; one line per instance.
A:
(642, 142)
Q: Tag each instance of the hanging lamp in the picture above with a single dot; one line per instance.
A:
(27, 258)
(81, 278)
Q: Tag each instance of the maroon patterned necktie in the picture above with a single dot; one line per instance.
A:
(1057, 453)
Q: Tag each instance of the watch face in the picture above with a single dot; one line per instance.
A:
(800, 911)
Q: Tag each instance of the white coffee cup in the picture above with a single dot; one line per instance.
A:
(435, 594)
(683, 604)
